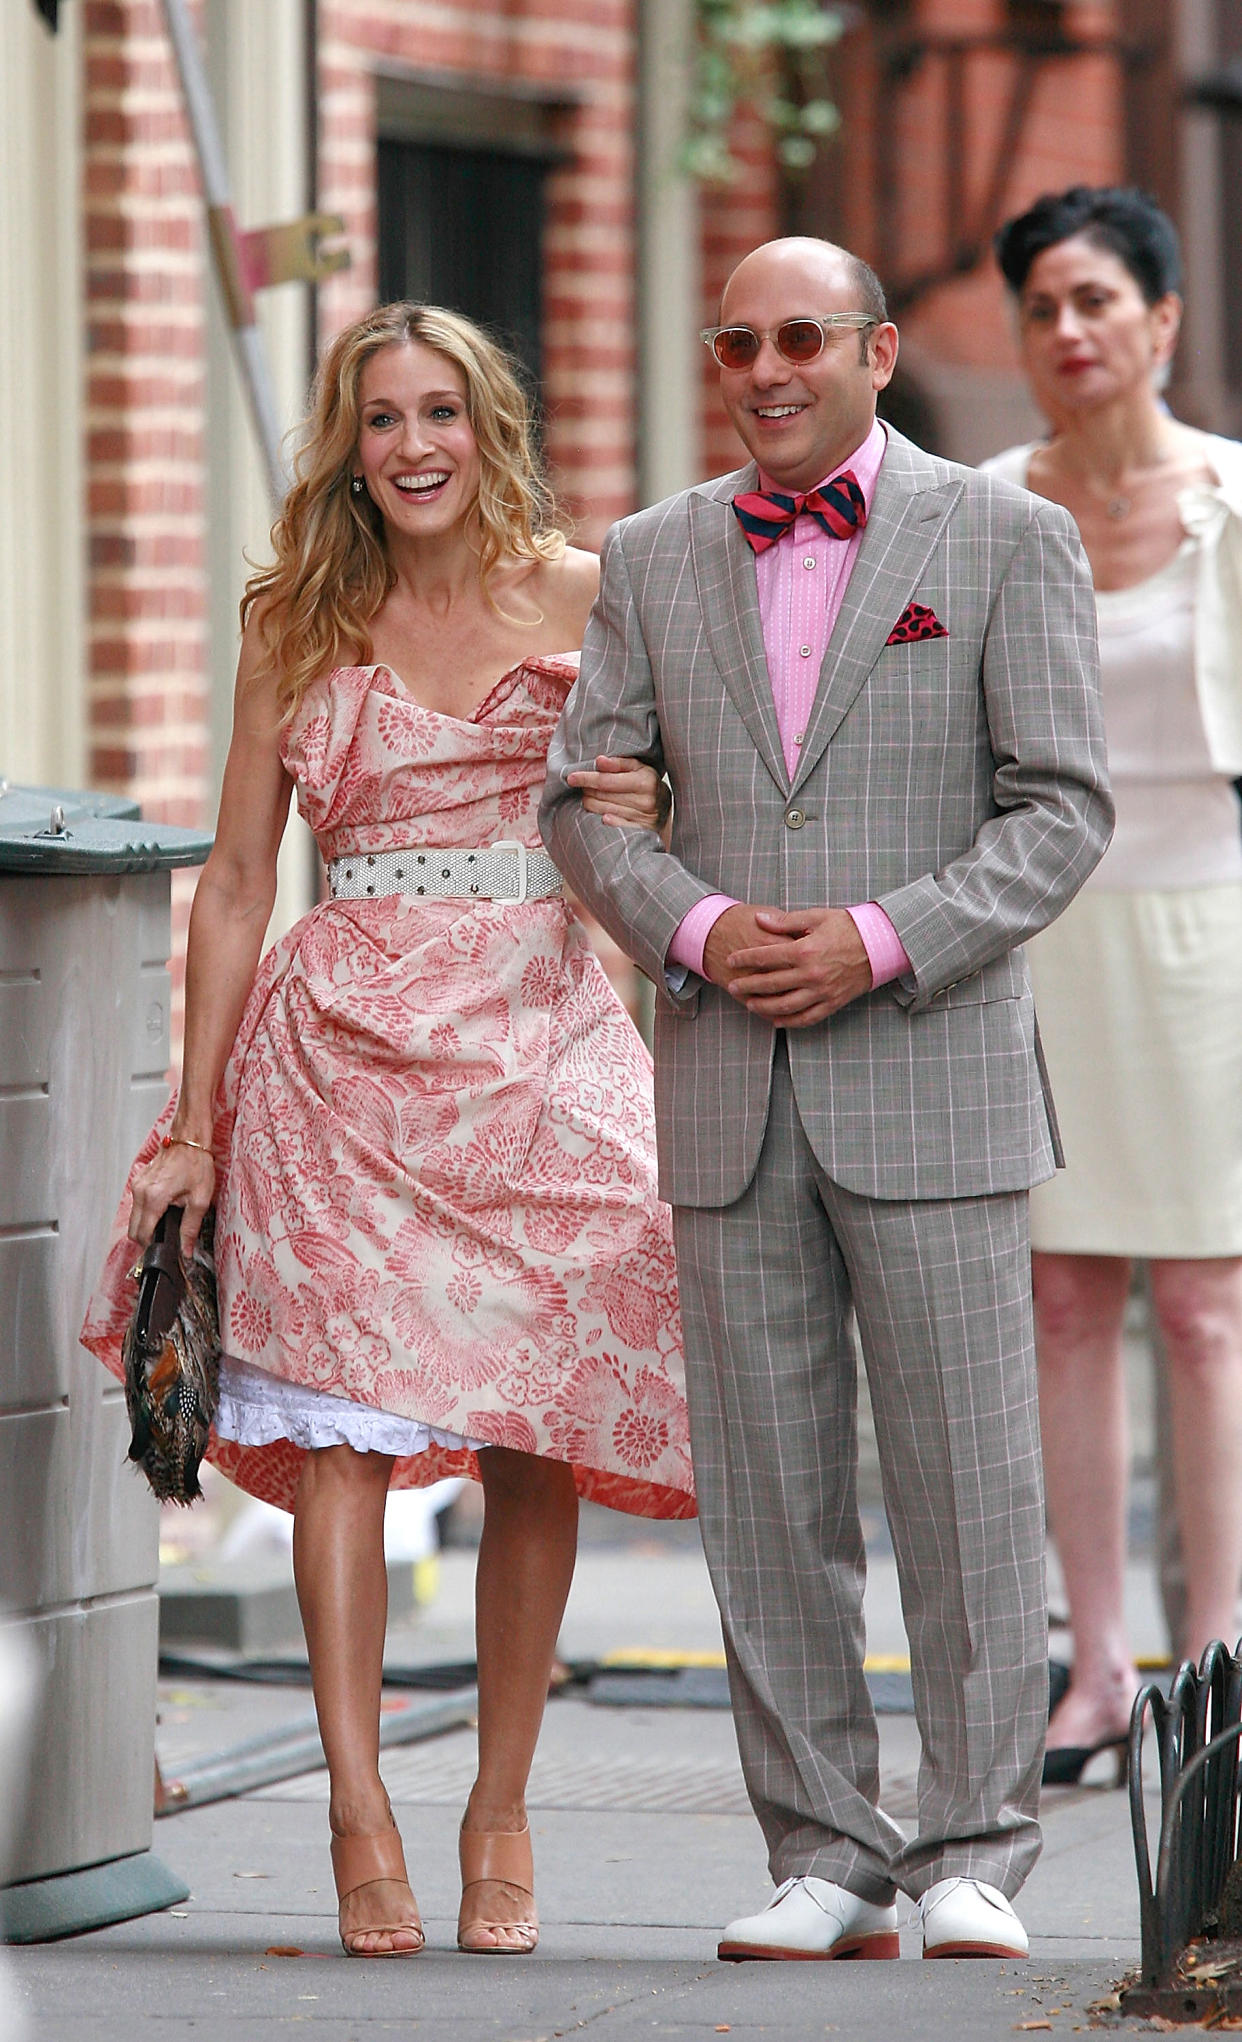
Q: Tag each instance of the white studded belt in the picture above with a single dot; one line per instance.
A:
(498, 872)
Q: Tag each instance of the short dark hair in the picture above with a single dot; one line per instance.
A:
(1121, 218)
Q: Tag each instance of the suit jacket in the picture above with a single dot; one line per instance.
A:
(959, 781)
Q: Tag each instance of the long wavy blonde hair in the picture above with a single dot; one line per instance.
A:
(331, 572)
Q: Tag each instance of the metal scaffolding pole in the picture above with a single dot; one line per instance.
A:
(246, 262)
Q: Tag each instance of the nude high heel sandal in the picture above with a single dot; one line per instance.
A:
(496, 1854)
(361, 1861)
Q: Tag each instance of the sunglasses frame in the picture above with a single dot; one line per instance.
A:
(827, 322)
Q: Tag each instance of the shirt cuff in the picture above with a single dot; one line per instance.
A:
(691, 934)
(885, 950)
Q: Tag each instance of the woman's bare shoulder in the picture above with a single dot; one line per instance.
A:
(568, 586)
(576, 571)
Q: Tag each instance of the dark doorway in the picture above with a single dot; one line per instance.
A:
(463, 227)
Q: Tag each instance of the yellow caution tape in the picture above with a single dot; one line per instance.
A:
(659, 1659)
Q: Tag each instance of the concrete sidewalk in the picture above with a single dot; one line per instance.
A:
(632, 1896)
(644, 1847)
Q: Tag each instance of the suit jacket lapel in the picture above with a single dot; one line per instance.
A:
(907, 516)
(724, 572)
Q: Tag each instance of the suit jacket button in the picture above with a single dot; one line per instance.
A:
(794, 819)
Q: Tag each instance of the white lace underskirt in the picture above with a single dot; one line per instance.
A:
(256, 1409)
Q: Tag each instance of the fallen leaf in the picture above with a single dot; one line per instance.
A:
(1024, 2027)
(283, 1950)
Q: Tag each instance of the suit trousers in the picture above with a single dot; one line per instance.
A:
(942, 1294)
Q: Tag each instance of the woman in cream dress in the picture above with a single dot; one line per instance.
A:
(1139, 984)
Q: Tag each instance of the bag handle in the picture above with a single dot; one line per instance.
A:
(161, 1284)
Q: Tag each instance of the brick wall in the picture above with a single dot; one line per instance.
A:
(1072, 135)
(587, 47)
(147, 704)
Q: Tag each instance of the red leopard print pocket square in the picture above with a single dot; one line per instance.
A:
(916, 621)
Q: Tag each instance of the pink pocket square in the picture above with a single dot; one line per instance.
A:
(916, 621)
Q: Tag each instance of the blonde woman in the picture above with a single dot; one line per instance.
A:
(424, 1118)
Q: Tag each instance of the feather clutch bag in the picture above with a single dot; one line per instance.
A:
(172, 1359)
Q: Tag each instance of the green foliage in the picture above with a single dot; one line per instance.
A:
(772, 55)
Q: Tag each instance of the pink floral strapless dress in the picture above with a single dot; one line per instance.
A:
(436, 1218)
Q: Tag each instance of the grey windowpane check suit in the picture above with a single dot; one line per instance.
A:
(880, 1159)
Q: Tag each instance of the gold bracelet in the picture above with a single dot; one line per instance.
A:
(182, 1141)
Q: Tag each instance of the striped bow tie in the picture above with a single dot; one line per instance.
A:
(765, 515)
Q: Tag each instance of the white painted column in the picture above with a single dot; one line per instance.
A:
(42, 579)
(670, 288)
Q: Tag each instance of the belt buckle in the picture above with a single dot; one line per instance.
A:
(519, 852)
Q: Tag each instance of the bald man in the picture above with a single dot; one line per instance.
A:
(871, 678)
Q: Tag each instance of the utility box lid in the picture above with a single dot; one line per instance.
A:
(69, 830)
(23, 808)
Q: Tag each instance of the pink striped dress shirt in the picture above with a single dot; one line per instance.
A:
(802, 581)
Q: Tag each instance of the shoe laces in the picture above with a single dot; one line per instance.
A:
(947, 1887)
(950, 1886)
(802, 1879)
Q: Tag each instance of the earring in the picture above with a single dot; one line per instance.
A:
(357, 485)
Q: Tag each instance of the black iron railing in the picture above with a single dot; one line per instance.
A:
(1198, 1726)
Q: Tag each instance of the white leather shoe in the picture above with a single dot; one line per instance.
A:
(965, 1918)
(809, 1918)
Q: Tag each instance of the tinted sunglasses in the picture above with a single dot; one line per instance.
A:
(797, 340)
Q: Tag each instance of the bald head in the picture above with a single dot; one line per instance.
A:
(800, 257)
(801, 420)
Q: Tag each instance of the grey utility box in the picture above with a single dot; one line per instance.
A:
(84, 1049)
